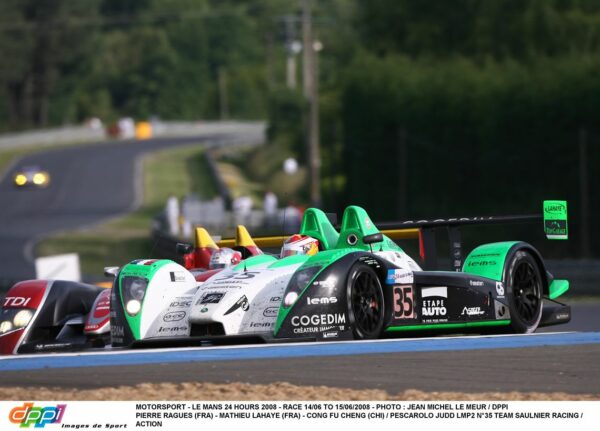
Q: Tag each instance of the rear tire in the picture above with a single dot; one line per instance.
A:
(524, 283)
(365, 302)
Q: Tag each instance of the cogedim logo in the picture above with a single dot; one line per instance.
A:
(39, 417)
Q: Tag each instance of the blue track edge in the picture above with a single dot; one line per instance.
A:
(296, 350)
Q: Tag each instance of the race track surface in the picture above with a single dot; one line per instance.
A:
(555, 362)
(89, 184)
(552, 360)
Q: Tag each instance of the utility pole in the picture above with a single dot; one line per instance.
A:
(584, 194)
(311, 94)
(292, 47)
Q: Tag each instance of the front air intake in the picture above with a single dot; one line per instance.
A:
(209, 329)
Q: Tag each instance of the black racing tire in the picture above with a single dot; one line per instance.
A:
(524, 284)
(366, 308)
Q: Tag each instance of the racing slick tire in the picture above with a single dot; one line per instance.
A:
(524, 283)
(365, 302)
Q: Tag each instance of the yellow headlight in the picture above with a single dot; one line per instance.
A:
(20, 179)
(39, 179)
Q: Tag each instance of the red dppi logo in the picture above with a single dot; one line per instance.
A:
(39, 417)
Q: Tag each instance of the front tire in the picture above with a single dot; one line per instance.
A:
(365, 302)
(523, 279)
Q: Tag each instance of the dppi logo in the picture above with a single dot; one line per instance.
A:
(27, 415)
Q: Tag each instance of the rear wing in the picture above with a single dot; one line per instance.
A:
(553, 216)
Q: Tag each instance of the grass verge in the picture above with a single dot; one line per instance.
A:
(175, 172)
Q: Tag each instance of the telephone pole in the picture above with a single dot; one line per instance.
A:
(311, 94)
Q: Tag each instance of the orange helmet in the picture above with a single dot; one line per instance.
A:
(299, 244)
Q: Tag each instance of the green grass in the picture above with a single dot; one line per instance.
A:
(170, 172)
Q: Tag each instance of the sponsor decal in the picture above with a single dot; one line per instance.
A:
(275, 299)
(204, 310)
(555, 227)
(434, 301)
(483, 263)
(172, 329)
(240, 303)
(318, 319)
(427, 292)
(180, 304)
(555, 209)
(330, 335)
(499, 288)
(329, 282)
(177, 276)
(323, 300)
(211, 298)
(472, 311)
(27, 415)
(399, 276)
(261, 324)
(270, 312)
(16, 301)
(236, 277)
(404, 302)
(117, 331)
(475, 283)
(480, 255)
(562, 316)
(174, 316)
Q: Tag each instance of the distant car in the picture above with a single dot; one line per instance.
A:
(31, 176)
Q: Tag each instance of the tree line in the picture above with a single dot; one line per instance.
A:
(426, 108)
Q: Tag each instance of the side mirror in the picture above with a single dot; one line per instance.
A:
(183, 248)
(111, 271)
(373, 238)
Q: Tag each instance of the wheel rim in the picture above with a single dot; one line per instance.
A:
(526, 292)
(366, 304)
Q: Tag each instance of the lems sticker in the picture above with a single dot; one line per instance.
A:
(27, 415)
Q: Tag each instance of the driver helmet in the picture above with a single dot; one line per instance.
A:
(299, 244)
(224, 258)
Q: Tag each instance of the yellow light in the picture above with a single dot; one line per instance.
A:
(20, 180)
(39, 179)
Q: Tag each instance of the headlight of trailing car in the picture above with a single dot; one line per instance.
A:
(39, 179)
(22, 318)
(14, 318)
(5, 326)
(298, 283)
(134, 290)
(20, 179)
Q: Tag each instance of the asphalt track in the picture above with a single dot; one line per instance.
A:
(89, 184)
(543, 362)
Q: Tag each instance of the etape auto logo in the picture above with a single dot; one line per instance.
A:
(27, 415)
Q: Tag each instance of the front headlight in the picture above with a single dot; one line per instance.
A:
(133, 307)
(298, 283)
(5, 326)
(20, 180)
(39, 179)
(134, 290)
(22, 318)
